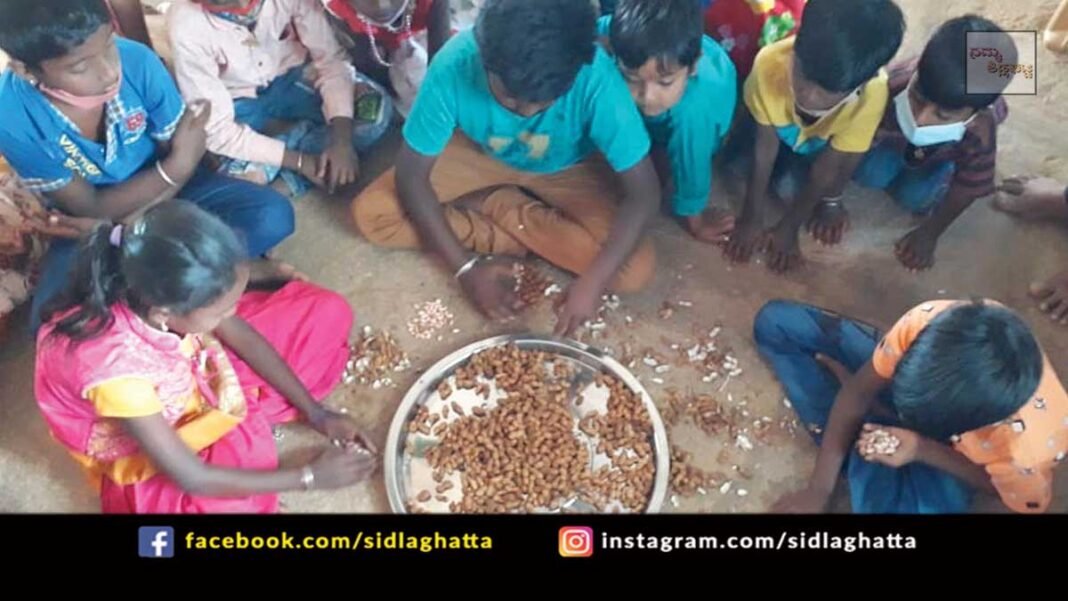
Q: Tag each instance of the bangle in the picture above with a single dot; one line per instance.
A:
(307, 477)
(467, 266)
(300, 161)
(163, 174)
(834, 202)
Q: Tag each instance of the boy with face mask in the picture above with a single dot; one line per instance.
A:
(814, 103)
(935, 149)
(94, 124)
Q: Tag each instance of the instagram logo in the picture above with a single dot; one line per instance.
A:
(576, 541)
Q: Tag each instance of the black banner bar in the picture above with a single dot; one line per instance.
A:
(578, 540)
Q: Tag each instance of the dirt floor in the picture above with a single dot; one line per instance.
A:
(985, 254)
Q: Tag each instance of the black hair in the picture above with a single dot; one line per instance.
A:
(943, 66)
(970, 367)
(669, 31)
(176, 256)
(843, 43)
(536, 47)
(34, 31)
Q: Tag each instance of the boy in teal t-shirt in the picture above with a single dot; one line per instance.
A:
(685, 86)
(523, 138)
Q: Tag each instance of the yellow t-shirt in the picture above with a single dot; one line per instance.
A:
(770, 98)
(1020, 452)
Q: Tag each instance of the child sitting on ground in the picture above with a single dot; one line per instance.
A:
(815, 102)
(684, 85)
(262, 61)
(960, 393)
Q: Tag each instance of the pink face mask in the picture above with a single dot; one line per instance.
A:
(83, 102)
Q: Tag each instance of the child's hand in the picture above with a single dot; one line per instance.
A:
(784, 249)
(747, 237)
(577, 305)
(341, 429)
(309, 168)
(58, 225)
(338, 166)
(829, 222)
(903, 452)
(190, 138)
(336, 468)
(916, 249)
(491, 284)
(806, 500)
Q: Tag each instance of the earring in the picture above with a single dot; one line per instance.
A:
(163, 325)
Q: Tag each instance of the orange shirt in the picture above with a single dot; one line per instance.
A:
(1019, 452)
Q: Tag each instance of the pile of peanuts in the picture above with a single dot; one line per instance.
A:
(429, 317)
(688, 480)
(374, 358)
(531, 284)
(523, 454)
(703, 410)
(879, 442)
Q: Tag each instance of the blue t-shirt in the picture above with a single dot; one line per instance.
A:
(47, 149)
(692, 131)
(597, 113)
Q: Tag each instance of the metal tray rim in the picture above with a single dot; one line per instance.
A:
(447, 364)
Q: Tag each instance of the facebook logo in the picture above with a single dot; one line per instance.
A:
(155, 541)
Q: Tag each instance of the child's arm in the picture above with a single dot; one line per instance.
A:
(640, 201)
(853, 403)
(947, 459)
(749, 231)
(197, 75)
(973, 178)
(338, 164)
(258, 353)
(916, 249)
(691, 148)
(827, 178)
(439, 27)
(913, 447)
(489, 284)
(170, 455)
(148, 186)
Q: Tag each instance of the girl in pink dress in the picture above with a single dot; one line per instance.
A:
(162, 375)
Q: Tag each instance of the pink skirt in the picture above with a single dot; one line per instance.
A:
(309, 327)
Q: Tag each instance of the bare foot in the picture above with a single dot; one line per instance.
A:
(1053, 296)
(1038, 198)
(270, 271)
(714, 225)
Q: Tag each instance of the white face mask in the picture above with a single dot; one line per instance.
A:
(931, 134)
(820, 114)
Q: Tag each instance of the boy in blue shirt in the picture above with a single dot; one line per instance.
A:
(94, 123)
(685, 87)
(533, 96)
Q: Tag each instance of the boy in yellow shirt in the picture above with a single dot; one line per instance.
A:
(816, 100)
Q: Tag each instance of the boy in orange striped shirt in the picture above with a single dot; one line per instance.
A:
(969, 400)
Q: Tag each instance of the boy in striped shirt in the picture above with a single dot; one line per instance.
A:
(935, 148)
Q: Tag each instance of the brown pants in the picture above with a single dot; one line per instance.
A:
(562, 217)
